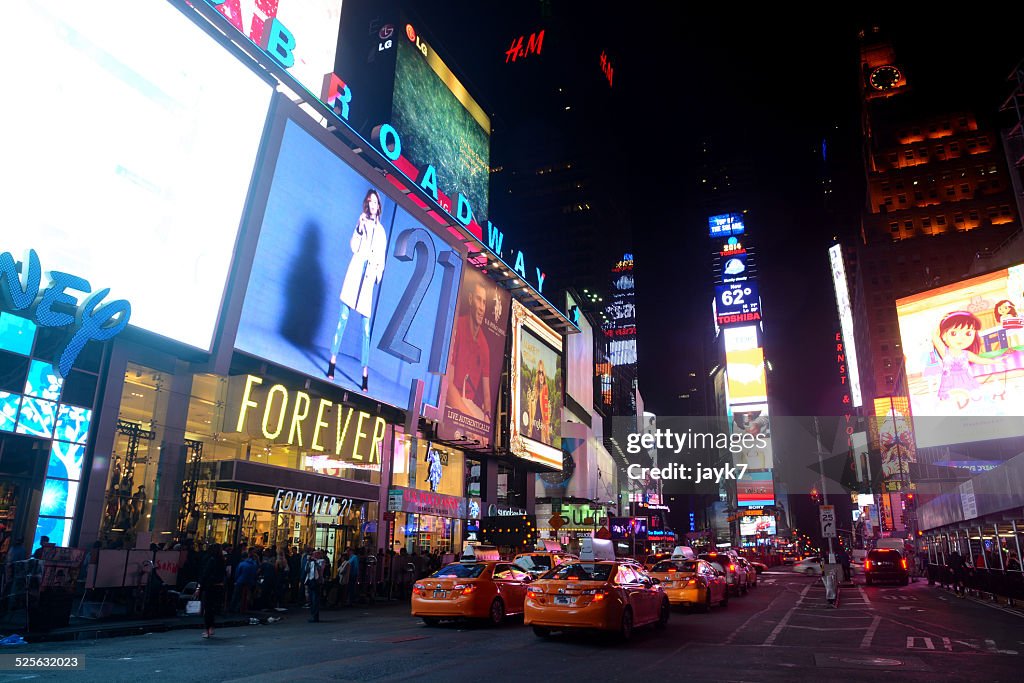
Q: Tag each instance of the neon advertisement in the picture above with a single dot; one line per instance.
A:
(756, 525)
(536, 389)
(756, 489)
(839, 283)
(725, 224)
(470, 391)
(964, 349)
(149, 198)
(346, 286)
(746, 376)
(755, 453)
(892, 431)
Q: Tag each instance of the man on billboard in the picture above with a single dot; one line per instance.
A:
(369, 245)
(469, 389)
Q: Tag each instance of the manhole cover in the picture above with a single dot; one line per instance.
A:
(874, 661)
(846, 661)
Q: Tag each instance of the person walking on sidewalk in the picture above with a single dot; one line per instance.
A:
(314, 581)
(211, 586)
(245, 579)
(355, 568)
(844, 559)
(959, 571)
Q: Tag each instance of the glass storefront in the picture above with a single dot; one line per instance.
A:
(434, 469)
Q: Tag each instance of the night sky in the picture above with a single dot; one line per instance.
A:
(768, 87)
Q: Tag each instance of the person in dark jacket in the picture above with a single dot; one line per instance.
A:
(958, 569)
(211, 586)
(245, 579)
(267, 580)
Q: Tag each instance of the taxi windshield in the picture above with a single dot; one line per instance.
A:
(533, 563)
(675, 566)
(581, 571)
(459, 571)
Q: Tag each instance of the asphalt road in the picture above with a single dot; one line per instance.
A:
(782, 631)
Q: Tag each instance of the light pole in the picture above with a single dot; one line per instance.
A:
(824, 491)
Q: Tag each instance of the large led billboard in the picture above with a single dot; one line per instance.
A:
(440, 123)
(343, 274)
(753, 525)
(470, 394)
(579, 360)
(755, 450)
(755, 489)
(893, 437)
(130, 147)
(737, 300)
(746, 373)
(740, 338)
(725, 224)
(964, 349)
(839, 283)
(301, 35)
(536, 389)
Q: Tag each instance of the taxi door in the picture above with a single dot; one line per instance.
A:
(637, 595)
(716, 583)
(511, 586)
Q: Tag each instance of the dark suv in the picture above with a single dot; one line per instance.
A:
(885, 565)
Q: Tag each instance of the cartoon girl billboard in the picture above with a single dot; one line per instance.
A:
(957, 343)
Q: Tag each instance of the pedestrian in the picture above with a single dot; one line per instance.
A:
(245, 579)
(957, 567)
(398, 563)
(295, 574)
(211, 586)
(267, 580)
(343, 577)
(355, 567)
(15, 574)
(844, 559)
(314, 579)
(1012, 562)
(283, 576)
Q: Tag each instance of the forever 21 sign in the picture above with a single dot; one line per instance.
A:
(299, 502)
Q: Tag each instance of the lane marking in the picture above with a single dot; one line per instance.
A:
(782, 624)
(866, 641)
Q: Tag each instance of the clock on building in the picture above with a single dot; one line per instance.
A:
(885, 77)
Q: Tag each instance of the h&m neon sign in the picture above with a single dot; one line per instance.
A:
(55, 307)
(533, 46)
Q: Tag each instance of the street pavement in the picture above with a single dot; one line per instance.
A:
(782, 631)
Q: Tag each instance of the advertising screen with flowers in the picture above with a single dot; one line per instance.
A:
(964, 349)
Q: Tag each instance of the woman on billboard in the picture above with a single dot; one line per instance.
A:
(540, 407)
(369, 246)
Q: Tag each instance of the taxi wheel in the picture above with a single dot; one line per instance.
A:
(725, 599)
(626, 627)
(541, 632)
(663, 614)
(497, 613)
(431, 621)
(706, 607)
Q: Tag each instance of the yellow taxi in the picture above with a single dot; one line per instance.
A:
(606, 595)
(691, 583)
(538, 563)
(479, 586)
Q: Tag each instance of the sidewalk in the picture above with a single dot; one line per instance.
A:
(81, 628)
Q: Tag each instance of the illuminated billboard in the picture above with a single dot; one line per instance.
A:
(725, 224)
(737, 300)
(964, 349)
(579, 360)
(755, 453)
(477, 355)
(741, 338)
(301, 35)
(756, 489)
(536, 389)
(835, 255)
(893, 436)
(746, 374)
(133, 180)
(754, 525)
(345, 285)
(440, 122)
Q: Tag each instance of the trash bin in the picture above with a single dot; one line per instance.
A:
(831, 581)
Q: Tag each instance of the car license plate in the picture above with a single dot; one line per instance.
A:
(564, 600)
(440, 593)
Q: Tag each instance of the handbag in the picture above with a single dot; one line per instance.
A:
(194, 607)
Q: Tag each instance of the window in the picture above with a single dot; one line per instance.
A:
(940, 150)
(894, 226)
(889, 379)
(950, 191)
(909, 225)
(965, 188)
(963, 122)
(922, 152)
(887, 362)
(893, 159)
(902, 199)
(885, 348)
(1004, 209)
(885, 187)
(918, 195)
(958, 218)
(926, 222)
(888, 201)
(909, 155)
(973, 215)
(940, 220)
(954, 147)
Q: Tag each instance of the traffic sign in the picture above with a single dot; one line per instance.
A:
(827, 514)
(556, 522)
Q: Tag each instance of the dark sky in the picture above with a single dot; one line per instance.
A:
(772, 86)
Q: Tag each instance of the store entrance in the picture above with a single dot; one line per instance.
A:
(217, 527)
